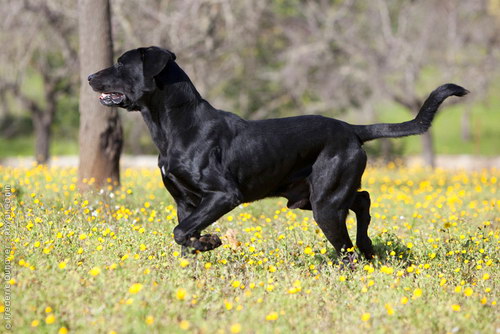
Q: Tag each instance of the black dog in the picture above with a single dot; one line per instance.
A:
(211, 160)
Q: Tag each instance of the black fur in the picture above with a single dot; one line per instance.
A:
(212, 160)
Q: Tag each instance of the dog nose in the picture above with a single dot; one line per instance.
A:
(90, 77)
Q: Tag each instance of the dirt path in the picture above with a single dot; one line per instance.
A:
(468, 162)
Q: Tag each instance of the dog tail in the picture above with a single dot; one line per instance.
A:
(419, 125)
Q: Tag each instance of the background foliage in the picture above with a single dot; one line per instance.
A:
(361, 61)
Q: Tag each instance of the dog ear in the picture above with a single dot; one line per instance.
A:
(154, 60)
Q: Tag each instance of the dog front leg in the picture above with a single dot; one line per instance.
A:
(212, 206)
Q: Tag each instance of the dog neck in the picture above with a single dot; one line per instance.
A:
(173, 107)
(176, 87)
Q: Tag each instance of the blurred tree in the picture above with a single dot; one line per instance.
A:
(361, 51)
(271, 58)
(101, 135)
(38, 36)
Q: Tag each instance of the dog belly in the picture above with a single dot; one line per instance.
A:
(298, 194)
(289, 181)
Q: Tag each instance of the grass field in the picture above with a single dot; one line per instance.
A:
(107, 263)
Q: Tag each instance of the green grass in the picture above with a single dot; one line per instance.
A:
(24, 146)
(107, 262)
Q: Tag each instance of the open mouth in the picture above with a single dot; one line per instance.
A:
(113, 98)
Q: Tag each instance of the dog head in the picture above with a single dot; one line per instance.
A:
(125, 83)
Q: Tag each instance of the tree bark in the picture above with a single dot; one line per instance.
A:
(43, 119)
(101, 137)
(428, 153)
(42, 124)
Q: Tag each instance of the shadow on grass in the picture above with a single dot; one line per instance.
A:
(389, 249)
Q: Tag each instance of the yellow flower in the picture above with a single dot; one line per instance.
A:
(181, 294)
(63, 330)
(308, 251)
(95, 271)
(468, 292)
(404, 300)
(486, 276)
(184, 263)
(389, 309)
(48, 309)
(208, 265)
(50, 319)
(35, 323)
(184, 325)
(455, 307)
(235, 328)
(236, 284)
(62, 265)
(368, 268)
(135, 288)
(150, 320)
(417, 293)
(273, 316)
(365, 316)
(387, 270)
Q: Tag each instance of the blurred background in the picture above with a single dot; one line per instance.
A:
(360, 61)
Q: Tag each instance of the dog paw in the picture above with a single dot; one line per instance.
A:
(366, 248)
(206, 242)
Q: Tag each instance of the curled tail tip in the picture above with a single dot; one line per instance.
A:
(452, 89)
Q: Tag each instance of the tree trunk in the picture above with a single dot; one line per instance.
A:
(42, 125)
(42, 122)
(386, 150)
(428, 153)
(101, 137)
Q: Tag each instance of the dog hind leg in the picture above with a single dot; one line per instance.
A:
(361, 207)
(334, 183)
